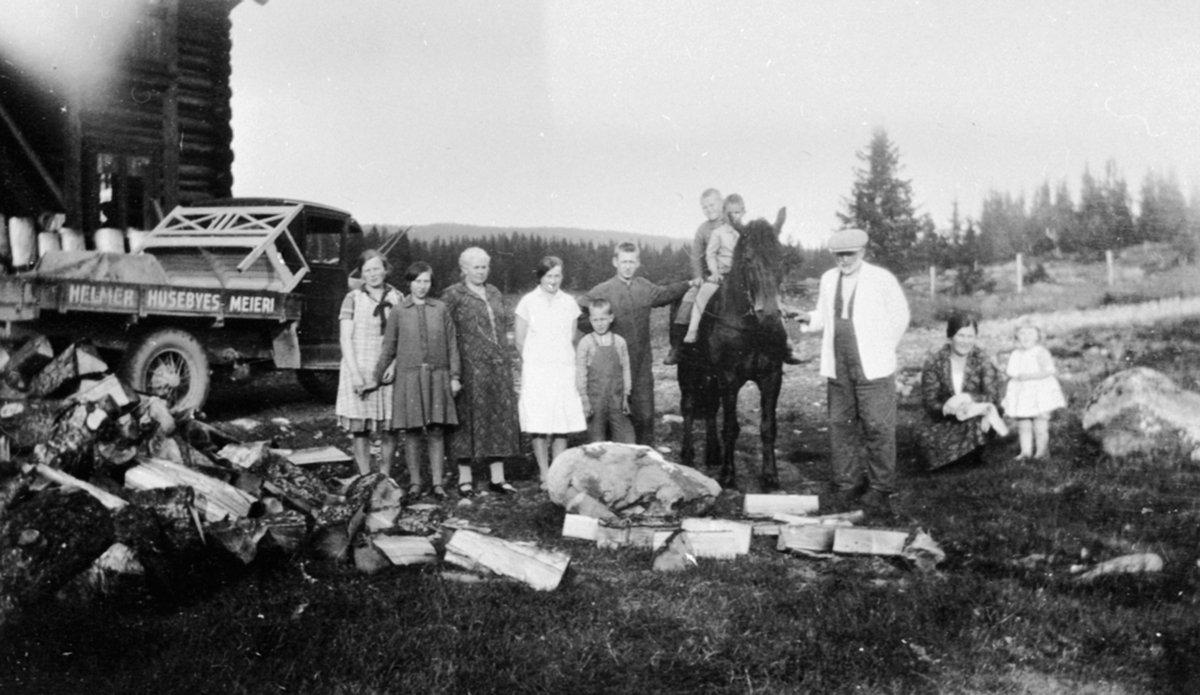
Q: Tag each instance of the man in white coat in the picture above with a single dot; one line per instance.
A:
(863, 313)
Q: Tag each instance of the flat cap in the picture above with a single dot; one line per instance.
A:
(847, 240)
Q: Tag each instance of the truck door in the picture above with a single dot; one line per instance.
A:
(325, 246)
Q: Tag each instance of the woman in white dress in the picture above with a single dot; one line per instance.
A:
(549, 407)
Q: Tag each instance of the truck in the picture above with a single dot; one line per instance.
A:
(227, 288)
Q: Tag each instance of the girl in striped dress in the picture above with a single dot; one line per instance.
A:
(360, 409)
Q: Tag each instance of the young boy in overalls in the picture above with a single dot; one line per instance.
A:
(602, 378)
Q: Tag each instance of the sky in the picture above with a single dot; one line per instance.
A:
(616, 115)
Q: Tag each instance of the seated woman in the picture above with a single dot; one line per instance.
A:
(960, 386)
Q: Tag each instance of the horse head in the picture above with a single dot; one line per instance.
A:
(758, 262)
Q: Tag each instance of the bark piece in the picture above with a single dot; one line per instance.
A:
(29, 359)
(216, 500)
(540, 569)
(769, 505)
(77, 361)
(108, 499)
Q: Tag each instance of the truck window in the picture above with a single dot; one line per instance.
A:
(323, 240)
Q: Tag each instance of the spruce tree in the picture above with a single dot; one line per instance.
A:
(880, 204)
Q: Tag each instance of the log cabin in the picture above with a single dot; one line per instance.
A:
(122, 149)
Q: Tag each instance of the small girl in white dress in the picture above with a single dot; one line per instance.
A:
(1033, 392)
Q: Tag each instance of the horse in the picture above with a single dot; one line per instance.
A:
(741, 339)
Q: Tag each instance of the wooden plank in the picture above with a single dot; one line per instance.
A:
(109, 386)
(317, 454)
(767, 505)
(54, 475)
(216, 499)
(580, 526)
(611, 536)
(810, 538)
(841, 519)
(718, 538)
(865, 541)
(767, 528)
(406, 550)
(538, 568)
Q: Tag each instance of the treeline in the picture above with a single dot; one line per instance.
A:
(1052, 222)
(585, 262)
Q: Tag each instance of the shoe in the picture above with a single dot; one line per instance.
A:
(415, 492)
(502, 488)
(672, 357)
(439, 493)
(466, 490)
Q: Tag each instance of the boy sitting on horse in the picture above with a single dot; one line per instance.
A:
(719, 258)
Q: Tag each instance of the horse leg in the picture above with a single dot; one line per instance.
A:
(769, 387)
(729, 433)
(712, 441)
(687, 452)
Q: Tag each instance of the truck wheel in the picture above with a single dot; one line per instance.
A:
(170, 364)
(321, 383)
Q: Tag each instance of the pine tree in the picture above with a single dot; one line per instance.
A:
(880, 204)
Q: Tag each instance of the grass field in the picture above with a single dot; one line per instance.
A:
(1002, 614)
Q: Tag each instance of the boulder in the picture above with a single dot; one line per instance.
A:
(1141, 410)
(628, 480)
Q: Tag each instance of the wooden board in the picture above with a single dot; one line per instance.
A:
(842, 519)
(718, 538)
(813, 538)
(317, 454)
(525, 562)
(108, 499)
(111, 386)
(580, 526)
(216, 500)
(865, 541)
(406, 550)
(768, 505)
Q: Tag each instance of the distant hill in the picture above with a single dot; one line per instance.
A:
(449, 230)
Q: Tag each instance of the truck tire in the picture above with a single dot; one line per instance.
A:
(322, 384)
(170, 364)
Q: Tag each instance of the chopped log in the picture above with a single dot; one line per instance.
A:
(406, 550)
(336, 526)
(317, 454)
(580, 526)
(676, 554)
(29, 423)
(809, 538)
(244, 455)
(718, 538)
(292, 483)
(286, 529)
(108, 387)
(374, 491)
(610, 537)
(216, 500)
(239, 536)
(769, 505)
(162, 521)
(45, 540)
(382, 519)
(540, 569)
(28, 360)
(1138, 563)
(77, 361)
(153, 412)
(369, 559)
(69, 482)
(69, 447)
(865, 541)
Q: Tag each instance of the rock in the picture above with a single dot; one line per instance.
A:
(1142, 410)
(630, 480)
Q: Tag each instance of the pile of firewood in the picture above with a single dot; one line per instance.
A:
(96, 479)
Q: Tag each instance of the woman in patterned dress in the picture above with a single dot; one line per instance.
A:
(487, 404)
(549, 407)
(360, 410)
(960, 372)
